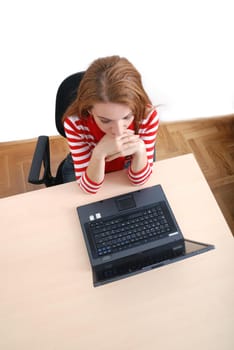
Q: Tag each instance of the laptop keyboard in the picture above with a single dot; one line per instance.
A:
(130, 230)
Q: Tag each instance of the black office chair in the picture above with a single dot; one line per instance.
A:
(66, 94)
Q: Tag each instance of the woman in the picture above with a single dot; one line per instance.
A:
(111, 125)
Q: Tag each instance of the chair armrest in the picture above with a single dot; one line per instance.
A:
(41, 163)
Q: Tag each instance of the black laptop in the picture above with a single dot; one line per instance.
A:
(133, 233)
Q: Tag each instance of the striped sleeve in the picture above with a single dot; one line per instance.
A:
(148, 133)
(89, 186)
(81, 144)
(140, 177)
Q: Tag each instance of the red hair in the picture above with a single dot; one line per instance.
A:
(110, 79)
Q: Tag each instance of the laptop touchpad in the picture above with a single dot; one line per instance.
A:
(126, 202)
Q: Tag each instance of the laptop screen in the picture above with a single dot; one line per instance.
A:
(141, 263)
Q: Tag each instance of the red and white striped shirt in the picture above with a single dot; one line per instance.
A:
(83, 134)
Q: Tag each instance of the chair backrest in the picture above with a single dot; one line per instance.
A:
(66, 94)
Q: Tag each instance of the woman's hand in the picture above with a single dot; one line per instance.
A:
(111, 147)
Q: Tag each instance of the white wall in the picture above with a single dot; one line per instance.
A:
(183, 49)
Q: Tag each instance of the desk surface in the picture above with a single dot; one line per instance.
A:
(47, 300)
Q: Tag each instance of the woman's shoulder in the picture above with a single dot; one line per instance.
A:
(151, 118)
(76, 124)
(72, 119)
(150, 114)
(150, 109)
(76, 121)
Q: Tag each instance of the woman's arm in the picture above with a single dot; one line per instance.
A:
(81, 144)
(142, 161)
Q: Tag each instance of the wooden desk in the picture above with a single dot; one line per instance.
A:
(47, 300)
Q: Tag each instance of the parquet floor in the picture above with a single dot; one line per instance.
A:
(210, 140)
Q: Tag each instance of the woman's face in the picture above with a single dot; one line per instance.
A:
(112, 118)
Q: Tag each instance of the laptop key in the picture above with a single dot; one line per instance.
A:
(126, 231)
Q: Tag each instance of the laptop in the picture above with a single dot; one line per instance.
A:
(132, 233)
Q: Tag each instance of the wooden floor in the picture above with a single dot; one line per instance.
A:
(210, 140)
